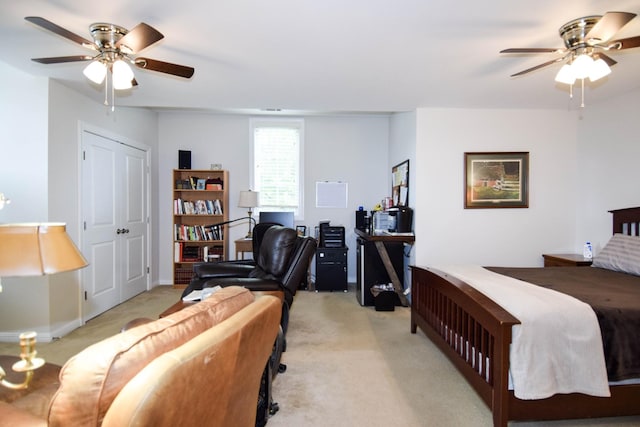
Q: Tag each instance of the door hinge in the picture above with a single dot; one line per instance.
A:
(84, 225)
(84, 155)
(147, 270)
(85, 295)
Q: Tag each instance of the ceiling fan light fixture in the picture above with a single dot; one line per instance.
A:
(122, 75)
(96, 72)
(598, 70)
(566, 75)
(581, 66)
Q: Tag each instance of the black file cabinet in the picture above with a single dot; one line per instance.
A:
(331, 269)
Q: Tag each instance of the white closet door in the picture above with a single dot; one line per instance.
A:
(114, 210)
(134, 223)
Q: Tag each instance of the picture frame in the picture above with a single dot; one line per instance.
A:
(201, 184)
(496, 180)
(400, 184)
(301, 230)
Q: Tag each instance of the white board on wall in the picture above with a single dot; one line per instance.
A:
(331, 194)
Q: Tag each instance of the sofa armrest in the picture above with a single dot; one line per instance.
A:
(16, 417)
(251, 283)
(135, 322)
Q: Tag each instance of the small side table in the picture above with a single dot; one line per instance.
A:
(243, 245)
(566, 260)
(42, 377)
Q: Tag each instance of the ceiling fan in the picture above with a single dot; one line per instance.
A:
(113, 47)
(586, 40)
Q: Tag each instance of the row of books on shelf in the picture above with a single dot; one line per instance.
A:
(190, 253)
(198, 232)
(196, 183)
(199, 207)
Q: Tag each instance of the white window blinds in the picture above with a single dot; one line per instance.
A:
(277, 149)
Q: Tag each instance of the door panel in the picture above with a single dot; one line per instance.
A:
(134, 222)
(115, 218)
(99, 214)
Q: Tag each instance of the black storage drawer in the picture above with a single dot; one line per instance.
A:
(331, 269)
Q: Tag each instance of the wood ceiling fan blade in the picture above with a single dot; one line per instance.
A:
(532, 50)
(608, 26)
(537, 67)
(627, 43)
(606, 58)
(165, 67)
(61, 59)
(139, 38)
(54, 28)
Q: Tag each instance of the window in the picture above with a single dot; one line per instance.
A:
(276, 164)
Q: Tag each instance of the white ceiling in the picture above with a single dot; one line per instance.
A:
(328, 55)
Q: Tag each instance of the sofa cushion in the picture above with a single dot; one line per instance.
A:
(90, 380)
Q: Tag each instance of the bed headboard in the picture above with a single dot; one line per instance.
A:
(626, 221)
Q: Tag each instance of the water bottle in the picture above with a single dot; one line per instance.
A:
(587, 251)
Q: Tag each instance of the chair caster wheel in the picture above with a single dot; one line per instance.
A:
(273, 408)
(282, 368)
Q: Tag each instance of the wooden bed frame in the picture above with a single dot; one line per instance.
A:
(475, 334)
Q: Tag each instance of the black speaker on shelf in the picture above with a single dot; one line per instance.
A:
(360, 220)
(184, 159)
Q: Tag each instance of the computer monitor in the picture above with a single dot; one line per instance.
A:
(282, 218)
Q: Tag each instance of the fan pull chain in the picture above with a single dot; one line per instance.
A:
(582, 102)
(106, 92)
(113, 95)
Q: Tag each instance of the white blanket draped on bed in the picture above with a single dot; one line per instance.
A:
(557, 348)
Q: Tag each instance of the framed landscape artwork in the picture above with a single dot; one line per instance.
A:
(496, 180)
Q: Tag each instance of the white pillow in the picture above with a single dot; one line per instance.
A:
(621, 253)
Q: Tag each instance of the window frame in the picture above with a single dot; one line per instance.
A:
(289, 122)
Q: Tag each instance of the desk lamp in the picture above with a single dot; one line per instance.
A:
(34, 250)
(248, 199)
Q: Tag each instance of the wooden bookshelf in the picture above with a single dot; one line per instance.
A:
(200, 201)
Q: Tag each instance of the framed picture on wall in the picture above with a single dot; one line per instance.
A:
(400, 184)
(496, 180)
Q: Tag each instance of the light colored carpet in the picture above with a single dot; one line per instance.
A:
(347, 365)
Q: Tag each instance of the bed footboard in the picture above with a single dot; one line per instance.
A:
(473, 331)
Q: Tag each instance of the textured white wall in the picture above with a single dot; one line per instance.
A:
(447, 233)
(350, 149)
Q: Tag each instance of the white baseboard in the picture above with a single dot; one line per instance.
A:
(43, 336)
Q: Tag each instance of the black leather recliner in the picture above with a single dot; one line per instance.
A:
(281, 266)
(235, 268)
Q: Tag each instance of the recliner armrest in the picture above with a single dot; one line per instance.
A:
(208, 270)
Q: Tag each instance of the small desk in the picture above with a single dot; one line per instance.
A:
(379, 240)
(243, 245)
(565, 260)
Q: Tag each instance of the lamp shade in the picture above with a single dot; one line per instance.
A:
(37, 249)
(122, 75)
(96, 72)
(565, 75)
(598, 70)
(248, 199)
(581, 66)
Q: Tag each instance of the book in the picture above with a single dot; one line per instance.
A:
(199, 295)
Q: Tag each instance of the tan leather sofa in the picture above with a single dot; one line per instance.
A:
(156, 374)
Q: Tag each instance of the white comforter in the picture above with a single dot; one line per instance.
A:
(557, 348)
